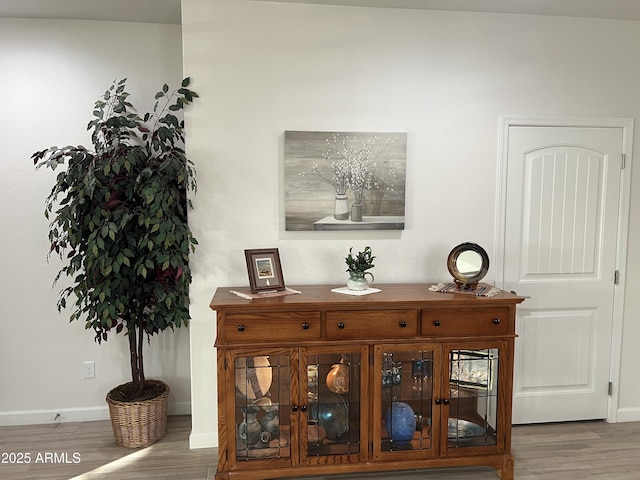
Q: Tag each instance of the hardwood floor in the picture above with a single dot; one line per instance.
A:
(99, 456)
(86, 451)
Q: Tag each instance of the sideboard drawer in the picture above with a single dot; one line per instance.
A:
(372, 324)
(465, 321)
(283, 326)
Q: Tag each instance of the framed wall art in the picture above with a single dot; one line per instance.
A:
(344, 180)
(264, 269)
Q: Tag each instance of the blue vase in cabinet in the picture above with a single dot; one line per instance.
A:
(400, 423)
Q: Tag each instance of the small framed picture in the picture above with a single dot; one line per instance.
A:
(265, 272)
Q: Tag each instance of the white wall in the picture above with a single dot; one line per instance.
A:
(262, 68)
(52, 72)
(443, 77)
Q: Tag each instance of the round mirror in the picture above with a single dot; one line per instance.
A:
(468, 263)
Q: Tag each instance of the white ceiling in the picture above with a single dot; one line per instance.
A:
(145, 11)
(168, 11)
(612, 9)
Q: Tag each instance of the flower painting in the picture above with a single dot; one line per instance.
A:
(344, 180)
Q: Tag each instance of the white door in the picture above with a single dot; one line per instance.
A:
(560, 237)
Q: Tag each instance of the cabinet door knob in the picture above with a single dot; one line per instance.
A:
(496, 321)
(303, 408)
(241, 328)
(436, 323)
(438, 401)
(341, 325)
(403, 324)
(446, 401)
(305, 326)
(294, 408)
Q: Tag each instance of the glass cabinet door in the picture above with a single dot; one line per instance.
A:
(404, 389)
(472, 380)
(335, 413)
(262, 408)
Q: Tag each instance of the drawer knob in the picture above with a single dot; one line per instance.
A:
(436, 323)
(241, 328)
(496, 321)
(403, 324)
(305, 326)
(341, 325)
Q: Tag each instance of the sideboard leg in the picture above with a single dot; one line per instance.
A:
(506, 473)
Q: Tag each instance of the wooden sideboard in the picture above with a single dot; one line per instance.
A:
(321, 383)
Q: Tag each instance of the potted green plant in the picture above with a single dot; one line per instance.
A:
(119, 221)
(357, 267)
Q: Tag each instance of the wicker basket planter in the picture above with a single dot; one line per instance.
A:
(139, 424)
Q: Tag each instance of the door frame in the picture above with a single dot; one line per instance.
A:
(508, 121)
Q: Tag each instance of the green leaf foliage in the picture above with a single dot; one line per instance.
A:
(118, 217)
(361, 262)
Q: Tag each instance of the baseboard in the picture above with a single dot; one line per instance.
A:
(628, 415)
(64, 415)
(60, 415)
(203, 440)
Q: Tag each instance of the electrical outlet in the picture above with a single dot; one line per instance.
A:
(89, 369)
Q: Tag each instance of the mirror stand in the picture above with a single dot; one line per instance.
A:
(468, 263)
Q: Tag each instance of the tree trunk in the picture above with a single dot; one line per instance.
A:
(136, 342)
(140, 360)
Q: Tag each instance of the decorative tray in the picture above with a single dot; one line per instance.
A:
(464, 430)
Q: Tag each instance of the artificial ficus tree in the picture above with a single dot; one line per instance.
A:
(118, 215)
